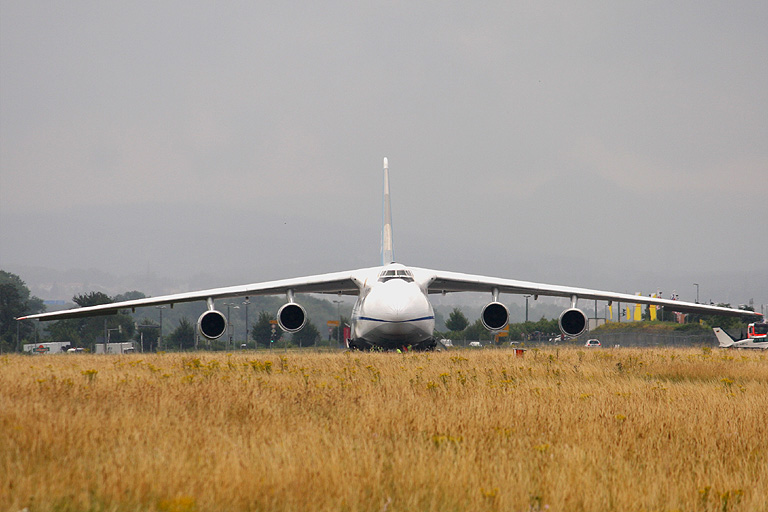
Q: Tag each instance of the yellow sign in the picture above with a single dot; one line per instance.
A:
(333, 323)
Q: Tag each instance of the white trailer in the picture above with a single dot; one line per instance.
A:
(50, 347)
(120, 347)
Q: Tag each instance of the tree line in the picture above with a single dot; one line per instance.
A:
(459, 328)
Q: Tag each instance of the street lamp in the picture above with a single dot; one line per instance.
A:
(119, 329)
(245, 303)
(230, 326)
(526, 307)
(338, 329)
(160, 337)
(140, 329)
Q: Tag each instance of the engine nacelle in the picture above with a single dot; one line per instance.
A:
(291, 317)
(572, 322)
(212, 324)
(495, 316)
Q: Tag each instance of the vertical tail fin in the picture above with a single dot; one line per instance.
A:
(387, 246)
(723, 338)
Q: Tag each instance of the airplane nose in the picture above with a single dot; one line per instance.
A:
(396, 312)
(399, 302)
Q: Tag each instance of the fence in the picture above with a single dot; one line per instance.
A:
(637, 339)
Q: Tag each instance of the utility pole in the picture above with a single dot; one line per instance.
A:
(338, 329)
(230, 327)
(245, 303)
(160, 338)
(526, 307)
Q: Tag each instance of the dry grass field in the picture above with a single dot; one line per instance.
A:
(557, 430)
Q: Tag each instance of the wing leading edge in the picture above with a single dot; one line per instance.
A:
(444, 282)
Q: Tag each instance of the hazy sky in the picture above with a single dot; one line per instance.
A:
(616, 145)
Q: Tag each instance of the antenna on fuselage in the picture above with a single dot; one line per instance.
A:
(387, 245)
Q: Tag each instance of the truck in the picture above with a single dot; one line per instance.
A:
(49, 347)
(120, 347)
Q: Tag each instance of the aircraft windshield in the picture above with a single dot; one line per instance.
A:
(405, 275)
(761, 328)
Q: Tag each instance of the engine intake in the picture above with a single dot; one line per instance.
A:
(572, 322)
(495, 316)
(212, 324)
(291, 317)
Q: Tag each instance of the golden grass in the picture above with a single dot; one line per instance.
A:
(567, 429)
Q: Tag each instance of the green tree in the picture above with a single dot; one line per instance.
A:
(456, 322)
(91, 299)
(477, 332)
(183, 337)
(11, 307)
(306, 337)
(120, 297)
(261, 332)
(16, 301)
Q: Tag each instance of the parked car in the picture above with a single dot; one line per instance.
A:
(592, 343)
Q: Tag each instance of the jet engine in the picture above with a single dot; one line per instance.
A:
(572, 322)
(291, 317)
(495, 316)
(212, 324)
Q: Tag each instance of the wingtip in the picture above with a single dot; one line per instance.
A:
(386, 163)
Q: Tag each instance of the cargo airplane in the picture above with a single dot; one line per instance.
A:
(392, 308)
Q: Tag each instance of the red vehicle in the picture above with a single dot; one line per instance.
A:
(758, 331)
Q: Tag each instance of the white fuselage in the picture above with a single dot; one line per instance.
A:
(393, 311)
(749, 343)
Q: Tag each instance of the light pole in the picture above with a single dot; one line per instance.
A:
(160, 337)
(119, 329)
(141, 328)
(338, 329)
(526, 307)
(230, 326)
(245, 303)
(697, 292)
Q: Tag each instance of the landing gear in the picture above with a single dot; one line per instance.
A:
(423, 346)
(359, 344)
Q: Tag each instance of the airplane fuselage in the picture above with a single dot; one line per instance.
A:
(392, 311)
(748, 343)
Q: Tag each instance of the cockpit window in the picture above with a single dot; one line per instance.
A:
(405, 275)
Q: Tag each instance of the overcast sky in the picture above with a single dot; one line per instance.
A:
(614, 145)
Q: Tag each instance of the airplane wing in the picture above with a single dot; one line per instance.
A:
(439, 281)
(345, 283)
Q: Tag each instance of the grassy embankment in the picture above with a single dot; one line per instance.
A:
(565, 429)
